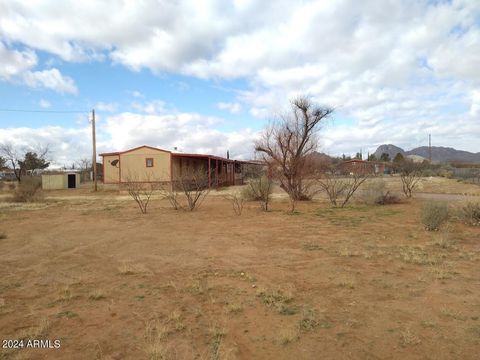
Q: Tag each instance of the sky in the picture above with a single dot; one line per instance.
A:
(208, 76)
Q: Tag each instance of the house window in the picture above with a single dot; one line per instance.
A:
(149, 162)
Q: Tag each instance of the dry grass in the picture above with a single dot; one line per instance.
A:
(288, 335)
(154, 335)
(407, 337)
(35, 332)
(175, 320)
(96, 295)
(416, 255)
(64, 294)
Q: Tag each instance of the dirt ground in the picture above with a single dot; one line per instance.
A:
(365, 282)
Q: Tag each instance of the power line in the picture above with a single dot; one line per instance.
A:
(46, 111)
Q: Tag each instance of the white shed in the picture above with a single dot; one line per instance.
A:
(68, 180)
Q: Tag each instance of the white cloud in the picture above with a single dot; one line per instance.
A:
(106, 107)
(45, 104)
(15, 62)
(66, 145)
(189, 132)
(50, 79)
(136, 94)
(411, 67)
(149, 107)
(233, 108)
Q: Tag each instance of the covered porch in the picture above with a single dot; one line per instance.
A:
(220, 171)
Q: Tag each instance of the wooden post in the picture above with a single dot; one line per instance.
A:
(94, 154)
(209, 174)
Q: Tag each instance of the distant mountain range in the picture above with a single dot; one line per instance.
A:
(439, 153)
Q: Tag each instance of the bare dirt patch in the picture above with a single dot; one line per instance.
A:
(359, 282)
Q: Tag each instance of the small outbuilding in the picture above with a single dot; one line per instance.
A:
(68, 180)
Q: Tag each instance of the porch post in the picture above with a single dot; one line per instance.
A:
(209, 174)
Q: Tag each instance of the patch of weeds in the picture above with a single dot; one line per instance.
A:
(441, 272)
(288, 335)
(217, 333)
(442, 239)
(3, 235)
(311, 246)
(234, 308)
(345, 252)
(126, 269)
(429, 324)
(288, 310)
(454, 314)
(67, 314)
(65, 294)
(416, 255)
(409, 338)
(175, 319)
(35, 332)
(154, 334)
(309, 320)
(140, 297)
(199, 287)
(279, 300)
(347, 282)
(96, 295)
(293, 213)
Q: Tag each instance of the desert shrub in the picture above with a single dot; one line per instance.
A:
(340, 189)
(373, 192)
(434, 214)
(390, 198)
(28, 190)
(470, 213)
(260, 190)
(237, 202)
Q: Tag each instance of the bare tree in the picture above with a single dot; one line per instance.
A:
(85, 166)
(193, 184)
(341, 188)
(237, 202)
(288, 141)
(141, 191)
(410, 174)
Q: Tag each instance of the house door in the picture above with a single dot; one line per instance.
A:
(71, 181)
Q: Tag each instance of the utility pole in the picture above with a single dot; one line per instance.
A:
(94, 154)
(430, 147)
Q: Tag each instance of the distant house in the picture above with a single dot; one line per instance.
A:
(357, 166)
(150, 164)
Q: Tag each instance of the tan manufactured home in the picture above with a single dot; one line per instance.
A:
(150, 164)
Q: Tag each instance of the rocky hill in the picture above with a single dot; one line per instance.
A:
(439, 153)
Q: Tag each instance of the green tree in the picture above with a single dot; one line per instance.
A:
(385, 157)
(20, 162)
(398, 158)
(32, 162)
(358, 156)
(3, 162)
(372, 157)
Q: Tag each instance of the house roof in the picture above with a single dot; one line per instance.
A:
(177, 154)
(130, 150)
